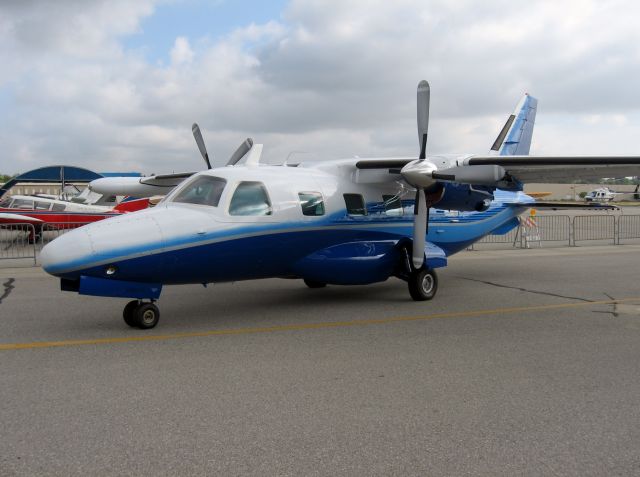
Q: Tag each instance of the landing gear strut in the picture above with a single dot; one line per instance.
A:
(423, 284)
(138, 314)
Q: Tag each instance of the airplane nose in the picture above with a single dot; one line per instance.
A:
(65, 252)
(102, 243)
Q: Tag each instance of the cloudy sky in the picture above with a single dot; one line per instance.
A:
(114, 85)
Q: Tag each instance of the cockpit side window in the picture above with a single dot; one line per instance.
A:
(250, 198)
(204, 190)
(22, 204)
(5, 203)
(312, 203)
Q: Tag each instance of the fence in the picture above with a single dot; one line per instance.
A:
(594, 227)
(564, 229)
(628, 227)
(17, 241)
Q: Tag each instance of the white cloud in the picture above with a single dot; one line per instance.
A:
(330, 77)
(181, 52)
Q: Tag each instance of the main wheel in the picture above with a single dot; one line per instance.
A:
(314, 284)
(423, 284)
(146, 315)
(129, 313)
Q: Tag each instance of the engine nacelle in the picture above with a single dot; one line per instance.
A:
(465, 198)
(486, 175)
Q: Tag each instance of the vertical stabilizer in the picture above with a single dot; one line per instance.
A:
(515, 136)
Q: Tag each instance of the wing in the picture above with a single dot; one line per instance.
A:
(138, 186)
(554, 168)
(10, 218)
(166, 180)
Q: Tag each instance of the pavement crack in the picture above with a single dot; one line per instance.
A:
(8, 288)
(537, 292)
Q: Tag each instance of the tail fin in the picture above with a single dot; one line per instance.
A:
(131, 205)
(515, 136)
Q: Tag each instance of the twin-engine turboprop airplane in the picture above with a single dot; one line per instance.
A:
(350, 221)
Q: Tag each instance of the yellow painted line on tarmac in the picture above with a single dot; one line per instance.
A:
(305, 326)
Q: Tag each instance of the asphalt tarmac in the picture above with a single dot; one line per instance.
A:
(521, 365)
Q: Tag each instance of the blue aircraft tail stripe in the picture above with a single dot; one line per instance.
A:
(518, 138)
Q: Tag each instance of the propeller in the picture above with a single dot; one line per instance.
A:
(239, 153)
(419, 175)
(200, 142)
(424, 98)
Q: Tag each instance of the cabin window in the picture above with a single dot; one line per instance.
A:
(42, 205)
(312, 203)
(58, 207)
(355, 204)
(22, 204)
(203, 190)
(5, 203)
(250, 198)
(392, 204)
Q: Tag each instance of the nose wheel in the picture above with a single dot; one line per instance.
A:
(138, 314)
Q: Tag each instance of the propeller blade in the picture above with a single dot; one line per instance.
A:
(424, 98)
(200, 142)
(419, 228)
(240, 152)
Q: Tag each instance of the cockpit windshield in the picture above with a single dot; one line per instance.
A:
(204, 190)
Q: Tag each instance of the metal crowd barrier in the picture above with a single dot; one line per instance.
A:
(547, 228)
(17, 241)
(628, 227)
(594, 227)
(564, 229)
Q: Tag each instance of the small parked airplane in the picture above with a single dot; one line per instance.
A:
(349, 221)
(80, 210)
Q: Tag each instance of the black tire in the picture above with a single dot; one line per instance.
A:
(129, 313)
(423, 284)
(146, 316)
(314, 284)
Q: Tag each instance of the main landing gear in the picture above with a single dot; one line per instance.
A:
(139, 314)
(423, 284)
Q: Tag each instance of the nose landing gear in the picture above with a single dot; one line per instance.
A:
(139, 314)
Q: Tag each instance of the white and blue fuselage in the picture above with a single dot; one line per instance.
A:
(320, 222)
